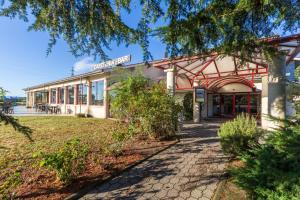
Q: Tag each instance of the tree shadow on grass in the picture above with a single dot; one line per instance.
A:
(9, 120)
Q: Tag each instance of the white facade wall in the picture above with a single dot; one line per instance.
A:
(74, 109)
(98, 111)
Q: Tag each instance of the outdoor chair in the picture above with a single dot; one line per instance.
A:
(58, 110)
(48, 109)
(69, 110)
(11, 110)
(5, 109)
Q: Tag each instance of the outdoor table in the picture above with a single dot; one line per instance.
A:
(53, 109)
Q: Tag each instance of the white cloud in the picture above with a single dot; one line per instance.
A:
(83, 64)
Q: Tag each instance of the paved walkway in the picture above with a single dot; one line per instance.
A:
(190, 169)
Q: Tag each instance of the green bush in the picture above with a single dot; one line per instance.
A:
(68, 162)
(159, 117)
(114, 149)
(188, 106)
(128, 99)
(122, 132)
(83, 115)
(147, 107)
(238, 135)
(297, 107)
(12, 181)
(272, 170)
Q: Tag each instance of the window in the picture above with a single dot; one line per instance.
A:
(41, 97)
(82, 94)
(53, 96)
(70, 95)
(61, 95)
(98, 93)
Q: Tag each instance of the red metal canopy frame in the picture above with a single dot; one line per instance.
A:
(208, 68)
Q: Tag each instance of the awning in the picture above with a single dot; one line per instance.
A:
(207, 68)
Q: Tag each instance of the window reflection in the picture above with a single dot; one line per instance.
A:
(82, 94)
(98, 92)
(53, 96)
(70, 95)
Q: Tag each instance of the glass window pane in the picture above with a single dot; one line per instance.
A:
(70, 95)
(61, 95)
(82, 94)
(98, 93)
(53, 96)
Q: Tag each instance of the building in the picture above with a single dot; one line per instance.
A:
(82, 94)
(222, 85)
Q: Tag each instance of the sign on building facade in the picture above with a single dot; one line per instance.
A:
(112, 63)
(199, 95)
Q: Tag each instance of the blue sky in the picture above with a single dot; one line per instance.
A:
(23, 60)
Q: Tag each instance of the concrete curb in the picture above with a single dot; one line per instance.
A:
(85, 190)
(218, 190)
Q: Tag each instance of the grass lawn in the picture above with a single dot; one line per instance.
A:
(49, 134)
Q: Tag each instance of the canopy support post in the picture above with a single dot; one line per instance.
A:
(171, 80)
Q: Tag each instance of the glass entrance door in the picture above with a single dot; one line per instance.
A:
(241, 103)
(233, 104)
(227, 104)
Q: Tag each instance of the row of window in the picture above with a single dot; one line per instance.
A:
(97, 95)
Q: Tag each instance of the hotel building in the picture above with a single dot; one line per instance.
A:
(222, 85)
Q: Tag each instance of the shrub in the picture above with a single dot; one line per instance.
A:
(297, 107)
(68, 162)
(128, 101)
(238, 135)
(188, 106)
(148, 108)
(83, 115)
(114, 149)
(122, 132)
(10, 183)
(272, 171)
(160, 114)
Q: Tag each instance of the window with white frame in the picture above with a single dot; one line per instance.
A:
(98, 92)
(82, 94)
(70, 95)
(53, 96)
(61, 95)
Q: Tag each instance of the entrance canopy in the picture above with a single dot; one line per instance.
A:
(206, 69)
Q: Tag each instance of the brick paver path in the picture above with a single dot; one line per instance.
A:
(190, 169)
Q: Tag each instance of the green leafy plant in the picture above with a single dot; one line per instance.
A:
(9, 120)
(188, 27)
(239, 135)
(114, 149)
(271, 171)
(13, 180)
(128, 100)
(188, 106)
(122, 131)
(159, 117)
(147, 107)
(68, 162)
(297, 107)
(83, 115)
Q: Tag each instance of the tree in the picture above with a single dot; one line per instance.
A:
(188, 26)
(9, 120)
(297, 73)
(146, 106)
(2, 94)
